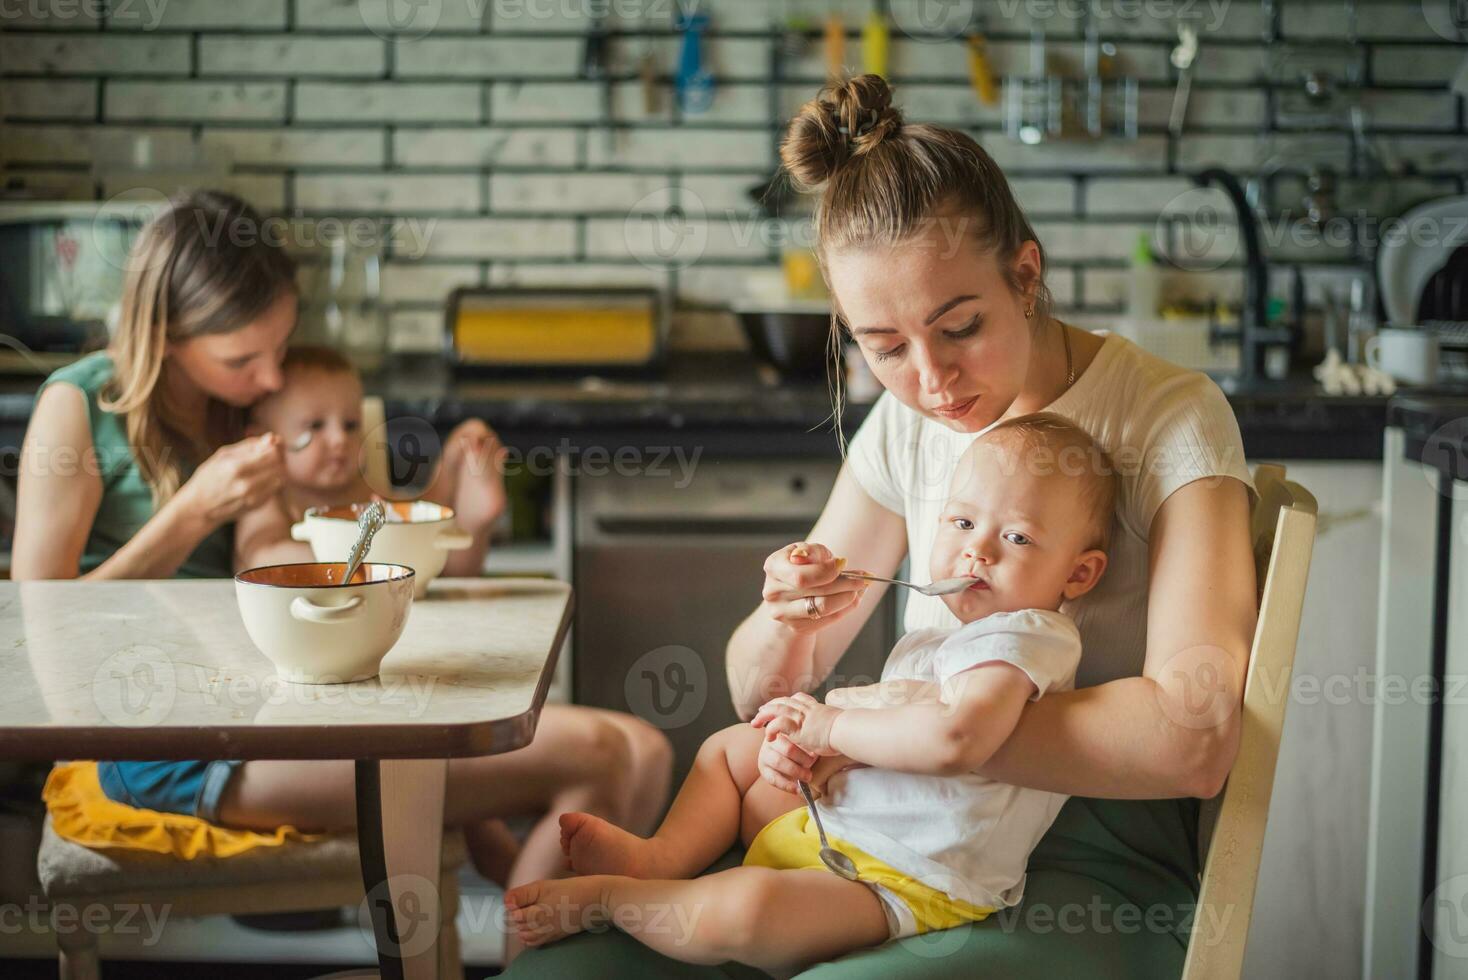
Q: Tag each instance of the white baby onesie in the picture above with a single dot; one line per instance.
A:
(967, 836)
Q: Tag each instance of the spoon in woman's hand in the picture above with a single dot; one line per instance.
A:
(944, 586)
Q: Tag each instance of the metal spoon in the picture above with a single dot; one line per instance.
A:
(944, 586)
(368, 523)
(839, 864)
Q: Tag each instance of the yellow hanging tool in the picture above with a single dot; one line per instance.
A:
(979, 75)
(875, 39)
(835, 47)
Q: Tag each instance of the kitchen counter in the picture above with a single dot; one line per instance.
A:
(1434, 426)
(728, 404)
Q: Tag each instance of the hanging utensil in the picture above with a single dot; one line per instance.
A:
(980, 76)
(774, 194)
(875, 42)
(1182, 59)
(694, 83)
(373, 516)
(835, 47)
(596, 67)
(647, 72)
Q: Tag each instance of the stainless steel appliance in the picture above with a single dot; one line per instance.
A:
(667, 562)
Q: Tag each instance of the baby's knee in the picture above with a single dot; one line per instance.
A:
(737, 739)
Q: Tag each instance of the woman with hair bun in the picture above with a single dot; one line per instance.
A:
(939, 278)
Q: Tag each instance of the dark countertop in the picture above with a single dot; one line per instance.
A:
(726, 404)
(1435, 426)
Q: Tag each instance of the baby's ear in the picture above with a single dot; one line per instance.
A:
(1085, 574)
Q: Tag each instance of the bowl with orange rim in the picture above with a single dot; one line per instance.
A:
(418, 533)
(318, 629)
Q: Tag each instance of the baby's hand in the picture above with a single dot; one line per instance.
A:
(781, 762)
(825, 768)
(800, 717)
(473, 460)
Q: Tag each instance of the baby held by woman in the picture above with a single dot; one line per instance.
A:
(935, 845)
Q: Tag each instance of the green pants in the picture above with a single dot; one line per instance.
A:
(1110, 893)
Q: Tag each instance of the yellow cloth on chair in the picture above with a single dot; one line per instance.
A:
(82, 813)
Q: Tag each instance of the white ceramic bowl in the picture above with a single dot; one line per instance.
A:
(317, 630)
(418, 534)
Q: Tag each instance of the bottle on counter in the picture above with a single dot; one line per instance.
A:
(1144, 288)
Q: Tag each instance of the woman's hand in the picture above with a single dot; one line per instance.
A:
(235, 479)
(803, 591)
(801, 718)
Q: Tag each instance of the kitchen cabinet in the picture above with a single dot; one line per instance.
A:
(1308, 907)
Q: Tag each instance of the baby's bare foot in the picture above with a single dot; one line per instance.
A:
(545, 911)
(596, 847)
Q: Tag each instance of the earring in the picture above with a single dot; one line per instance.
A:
(1029, 312)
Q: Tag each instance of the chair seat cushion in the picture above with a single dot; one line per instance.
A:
(67, 869)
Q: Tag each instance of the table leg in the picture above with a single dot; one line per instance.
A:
(400, 835)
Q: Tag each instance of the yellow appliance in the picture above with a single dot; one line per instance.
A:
(555, 329)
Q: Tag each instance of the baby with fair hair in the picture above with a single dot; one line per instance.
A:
(1028, 519)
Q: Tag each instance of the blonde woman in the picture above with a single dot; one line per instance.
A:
(937, 274)
(135, 466)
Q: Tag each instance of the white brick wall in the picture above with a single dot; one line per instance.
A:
(291, 55)
(405, 102)
(194, 101)
(466, 126)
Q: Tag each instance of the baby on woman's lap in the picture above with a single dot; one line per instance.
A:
(935, 844)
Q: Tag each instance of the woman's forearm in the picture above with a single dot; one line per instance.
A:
(765, 660)
(160, 546)
(1114, 740)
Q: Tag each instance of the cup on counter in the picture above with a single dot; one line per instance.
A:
(1408, 354)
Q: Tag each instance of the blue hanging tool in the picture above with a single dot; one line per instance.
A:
(694, 83)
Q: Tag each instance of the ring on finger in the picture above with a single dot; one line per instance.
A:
(811, 609)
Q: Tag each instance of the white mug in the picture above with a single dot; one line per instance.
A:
(1408, 355)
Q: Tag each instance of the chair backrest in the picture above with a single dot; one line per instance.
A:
(1283, 530)
(375, 448)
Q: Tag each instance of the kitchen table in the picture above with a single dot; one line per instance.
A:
(165, 670)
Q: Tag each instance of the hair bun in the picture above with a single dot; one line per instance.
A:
(842, 122)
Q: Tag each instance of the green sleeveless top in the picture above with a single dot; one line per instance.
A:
(127, 502)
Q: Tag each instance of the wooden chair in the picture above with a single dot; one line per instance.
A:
(1283, 531)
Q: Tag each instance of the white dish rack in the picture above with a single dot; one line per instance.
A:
(1452, 339)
